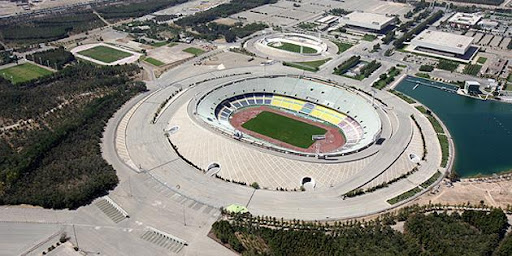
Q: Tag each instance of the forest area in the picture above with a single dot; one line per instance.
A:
(51, 130)
(468, 232)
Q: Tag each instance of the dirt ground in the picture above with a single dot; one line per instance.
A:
(494, 192)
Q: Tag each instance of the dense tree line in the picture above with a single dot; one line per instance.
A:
(59, 164)
(49, 28)
(212, 30)
(135, 9)
(338, 11)
(346, 65)
(223, 10)
(488, 2)
(472, 233)
(399, 43)
(369, 68)
(389, 37)
(426, 68)
(447, 65)
(53, 58)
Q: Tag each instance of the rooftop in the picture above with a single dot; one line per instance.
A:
(328, 19)
(366, 18)
(443, 41)
(465, 18)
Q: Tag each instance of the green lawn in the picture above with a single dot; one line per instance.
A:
(445, 149)
(368, 37)
(23, 72)
(472, 69)
(422, 75)
(293, 48)
(172, 44)
(481, 60)
(404, 196)
(154, 61)
(403, 96)
(431, 180)
(342, 46)
(284, 129)
(312, 66)
(105, 54)
(159, 44)
(195, 51)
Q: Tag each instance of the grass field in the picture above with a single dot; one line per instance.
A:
(105, 54)
(293, 48)
(24, 72)
(312, 66)
(472, 69)
(369, 38)
(404, 196)
(481, 60)
(194, 51)
(154, 61)
(342, 46)
(284, 129)
(159, 44)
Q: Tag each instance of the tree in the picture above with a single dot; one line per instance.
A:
(255, 185)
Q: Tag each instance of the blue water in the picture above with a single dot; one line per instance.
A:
(482, 130)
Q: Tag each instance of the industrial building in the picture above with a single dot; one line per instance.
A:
(329, 19)
(370, 22)
(444, 45)
(464, 20)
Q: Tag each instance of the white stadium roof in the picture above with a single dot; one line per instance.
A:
(367, 20)
(443, 41)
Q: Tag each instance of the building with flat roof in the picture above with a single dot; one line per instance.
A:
(443, 41)
(444, 45)
(464, 20)
(366, 20)
(329, 19)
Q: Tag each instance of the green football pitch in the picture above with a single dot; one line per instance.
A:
(105, 54)
(23, 72)
(293, 48)
(284, 129)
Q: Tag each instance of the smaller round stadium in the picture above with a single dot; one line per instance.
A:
(291, 114)
(291, 47)
(295, 43)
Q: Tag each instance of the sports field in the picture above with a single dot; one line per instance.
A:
(284, 129)
(154, 61)
(24, 72)
(193, 50)
(105, 54)
(293, 48)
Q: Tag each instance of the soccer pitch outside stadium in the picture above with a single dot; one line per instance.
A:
(105, 54)
(23, 72)
(284, 129)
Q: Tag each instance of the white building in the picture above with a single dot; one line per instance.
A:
(464, 20)
(367, 20)
(329, 19)
(443, 41)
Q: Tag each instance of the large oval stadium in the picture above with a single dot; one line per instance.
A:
(216, 136)
(304, 116)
